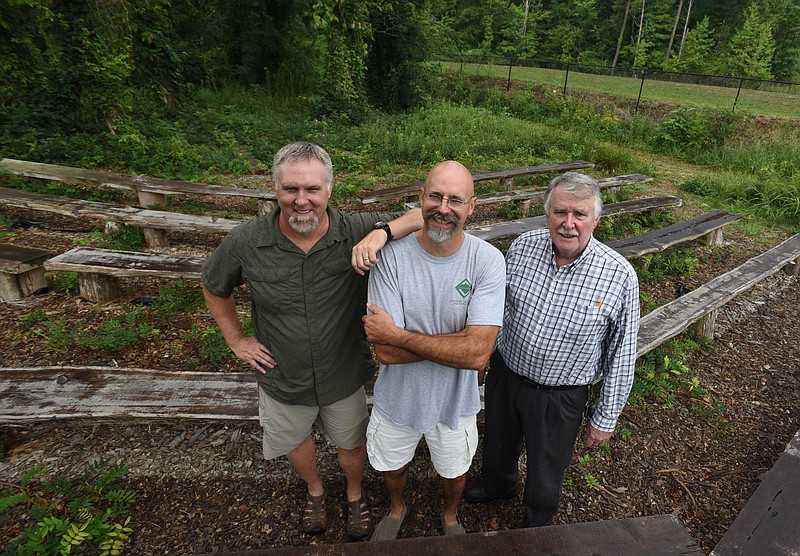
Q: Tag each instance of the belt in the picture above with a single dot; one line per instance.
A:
(537, 386)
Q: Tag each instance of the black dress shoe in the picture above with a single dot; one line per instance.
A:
(475, 492)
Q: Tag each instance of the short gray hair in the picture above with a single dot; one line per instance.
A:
(577, 184)
(302, 151)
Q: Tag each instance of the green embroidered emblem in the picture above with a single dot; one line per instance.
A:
(464, 288)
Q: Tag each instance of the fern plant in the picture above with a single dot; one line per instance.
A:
(88, 515)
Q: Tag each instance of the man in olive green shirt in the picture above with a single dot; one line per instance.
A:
(309, 346)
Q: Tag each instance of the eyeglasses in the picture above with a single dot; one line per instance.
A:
(452, 202)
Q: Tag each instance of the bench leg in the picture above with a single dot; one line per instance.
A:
(705, 326)
(98, 288)
(508, 183)
(19, 286)
(526, 208)
(793, 268)
(154, 237)
(265, 206)
(714, 237)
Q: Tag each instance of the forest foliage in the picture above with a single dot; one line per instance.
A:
(80, 65)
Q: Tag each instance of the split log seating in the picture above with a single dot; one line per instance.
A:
(528, 196)
(150, 191)
(505, 177)
(767, 523)
(99, 270)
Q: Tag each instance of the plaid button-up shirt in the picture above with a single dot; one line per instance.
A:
(571, 325)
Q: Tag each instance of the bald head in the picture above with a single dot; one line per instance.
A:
(451, 174)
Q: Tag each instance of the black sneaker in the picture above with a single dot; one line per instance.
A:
(475, 492)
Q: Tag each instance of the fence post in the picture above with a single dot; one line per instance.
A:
(739, 90)
(566, 78)
(639, 98)
(510, 65)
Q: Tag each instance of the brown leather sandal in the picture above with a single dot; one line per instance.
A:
(358, 520)
(314, 518)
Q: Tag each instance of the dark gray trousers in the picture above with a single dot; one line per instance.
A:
(547, 420)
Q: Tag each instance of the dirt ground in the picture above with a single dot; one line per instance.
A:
(203, 486)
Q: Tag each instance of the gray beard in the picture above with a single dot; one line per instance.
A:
(303, 226)
(439, 235)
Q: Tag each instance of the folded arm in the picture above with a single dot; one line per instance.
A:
(467, 349)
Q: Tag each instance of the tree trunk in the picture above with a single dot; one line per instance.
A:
(639, 38)
(621, 35)
(685, 27)
(525, 20)
(674, 29)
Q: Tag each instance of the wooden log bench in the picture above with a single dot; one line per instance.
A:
(150, 191)
(99, 270)
(505, 177)
(513, 228)
(709, 225)
(66, 392)
(769, 522)
(21, 271)
(528, 196)
(660, 535)
(128, 216)
(698, 308)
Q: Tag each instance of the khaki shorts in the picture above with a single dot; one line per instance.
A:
(390, 446)
(344, 423)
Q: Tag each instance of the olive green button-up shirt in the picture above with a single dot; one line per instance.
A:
(307, 308)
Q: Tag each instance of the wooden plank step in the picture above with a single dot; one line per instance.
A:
(768, 523)
(69, 174)
(658, 240)
(73, 392)
(513, 228)
(125, 263)
(671, 319)
(661, 535)
(130, 216)
(368, 197)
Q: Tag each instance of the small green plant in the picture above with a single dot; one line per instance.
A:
(625, 433)
(123, 238)
(127, 329)
(591, 480)
(213, 348)
(661, 375)
(88, 515)
(180, 297)
(63, 282)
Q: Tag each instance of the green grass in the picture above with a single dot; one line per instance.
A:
(768, 103)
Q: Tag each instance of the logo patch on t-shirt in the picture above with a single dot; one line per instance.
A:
(464, 288)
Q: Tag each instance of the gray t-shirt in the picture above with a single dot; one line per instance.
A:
(434, 295)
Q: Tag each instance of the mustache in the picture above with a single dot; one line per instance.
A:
(448, 218)
(567, 233)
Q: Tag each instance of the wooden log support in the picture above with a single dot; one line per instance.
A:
(671, 319)
(21, 271)
(410, 190)
(792, 268)
(153, 237)
(98, 288)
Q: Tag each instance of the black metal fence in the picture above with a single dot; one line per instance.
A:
(778, 99)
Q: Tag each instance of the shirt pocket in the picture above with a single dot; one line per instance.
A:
(585, 323)
(274, 289)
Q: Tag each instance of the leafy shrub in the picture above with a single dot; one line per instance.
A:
(689, 130)
(87, 515)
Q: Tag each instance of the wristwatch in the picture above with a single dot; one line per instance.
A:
(385, 227)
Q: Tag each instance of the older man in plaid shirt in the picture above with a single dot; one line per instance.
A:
(571, 317)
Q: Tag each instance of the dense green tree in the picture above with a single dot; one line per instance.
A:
(784, 17)
(696, 55)
(397, 75)
(749, 52)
